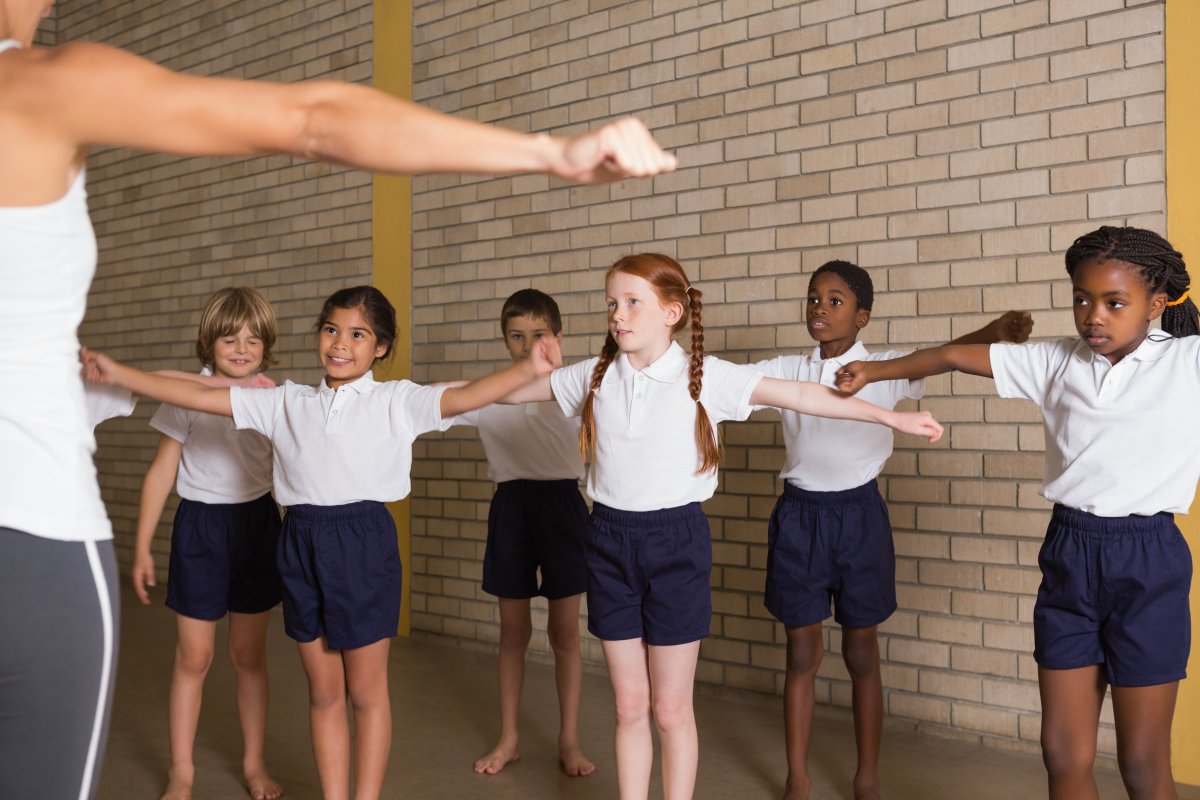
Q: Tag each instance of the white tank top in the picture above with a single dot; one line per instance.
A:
(48, 482)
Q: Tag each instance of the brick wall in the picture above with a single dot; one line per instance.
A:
(173, 230)
(952, 147)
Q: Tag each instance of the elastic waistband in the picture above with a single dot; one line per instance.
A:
(218, 506)
(1110, 526)
(616, 516)
(534, 483)
(842, 497)
(362, 508)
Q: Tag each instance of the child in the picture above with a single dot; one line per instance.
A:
(1118, 404)
(831, 506)
(648, 412)
(223, 540)
(537, 521)
(341, 450)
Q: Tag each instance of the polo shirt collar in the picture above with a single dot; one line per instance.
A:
(1152, 348)
(857, 352)
(665, 369)
(363, 385)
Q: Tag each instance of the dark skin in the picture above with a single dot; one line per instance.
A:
(834, 319)
(1113, 310)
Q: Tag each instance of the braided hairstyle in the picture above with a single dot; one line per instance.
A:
(1161, 267)
(672, 286)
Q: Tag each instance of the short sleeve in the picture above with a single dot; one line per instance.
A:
(420, 406)
(105, 402)
(469, 419)
(784, 368)
(258, 409)
(727, 388)
(571, 385)
(900, 389)
(1024, 370)
(172, 421)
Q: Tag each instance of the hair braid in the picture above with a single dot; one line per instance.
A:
(1162, 269)
(706, 440)
(587, 419)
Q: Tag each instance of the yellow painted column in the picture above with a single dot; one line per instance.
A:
(391, 234)
(1183, 211)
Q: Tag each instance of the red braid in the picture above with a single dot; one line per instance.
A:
(587, 419)
(706, 440)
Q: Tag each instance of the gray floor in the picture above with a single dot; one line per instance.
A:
(445, 717)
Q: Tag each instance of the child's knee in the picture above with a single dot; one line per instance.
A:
(861, 656)
(803, 658)
(1064, 755)
(193, 661)
(632, 707)
(1143, 766)
(564, 639)
(516, 635)
(671, 714)
(248, 658)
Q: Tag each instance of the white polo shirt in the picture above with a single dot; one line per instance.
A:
(106, 402)
(531, 441)
(1120, 438)
(337, 447)
(830, 455)
(646, 456)
(220, 464)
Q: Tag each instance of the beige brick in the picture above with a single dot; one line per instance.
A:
(1014, 184)
(1092, 60)
(951, 685)
(982, 661)
(918, 119)
(919, 65)
(949, 248)
(958, 84)
(1014, 75)
(941, 34)
(910, 14)
(985, 719)
(948, 193)
(1128, 83)
(1021, 16)
(827, 58)
(1057, 151)
(1129, 141)
(976, 54)
(1071, 9)
(926, 223)
(916, 706)
(1126, 25)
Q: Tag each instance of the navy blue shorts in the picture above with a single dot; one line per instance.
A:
(649, 574)
(341, 574)
(824, 546)
(536, 525)
(223, 558)
(1114, 592)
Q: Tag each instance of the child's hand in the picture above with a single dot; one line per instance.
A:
(619, 150)
(1012, 326)
(546, 356)
(918, 423)
(258, 380)
(97, 367)
(852, 377)
(143, 576)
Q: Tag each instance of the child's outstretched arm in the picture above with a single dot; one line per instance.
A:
(156, 488)
(183, 393)
(1011, 326)
(974, 359)
(526, 381)
(806, 397)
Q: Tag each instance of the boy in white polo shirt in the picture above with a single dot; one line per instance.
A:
(536, 522)
(829, 536)
(1119, 410)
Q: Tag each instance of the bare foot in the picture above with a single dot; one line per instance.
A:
(866, 787)
(797, 788)
(178, 789)
(574, 763)
(500, 757)
(260, 786)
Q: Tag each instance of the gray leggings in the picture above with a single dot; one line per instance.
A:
(58, 657)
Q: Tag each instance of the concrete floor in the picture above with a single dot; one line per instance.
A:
(445, 717)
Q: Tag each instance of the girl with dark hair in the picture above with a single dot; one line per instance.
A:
(1112, 608)
(340, 451)
(649, 412)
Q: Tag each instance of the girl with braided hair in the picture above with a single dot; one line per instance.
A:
(648, 413)
(1112, 608)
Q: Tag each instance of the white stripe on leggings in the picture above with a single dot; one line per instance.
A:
(106, 621)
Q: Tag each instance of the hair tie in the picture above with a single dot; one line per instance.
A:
(688, 290)
(1181, 297)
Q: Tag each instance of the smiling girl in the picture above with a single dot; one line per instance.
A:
(1112, 608)
(341, 450)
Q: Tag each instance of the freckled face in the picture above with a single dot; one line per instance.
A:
(347, 346)
(1113, 307)
(637, 318)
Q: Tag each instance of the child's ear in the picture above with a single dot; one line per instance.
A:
(674, 313)
(861, 318)
(381, 350)
(1158, 304)
(558, 336)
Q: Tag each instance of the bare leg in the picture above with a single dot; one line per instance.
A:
(563, 630)
(367, 677)
(248, 652)
(860, 651)
(1143, 716)
(193, 657)
(630, 676)
(672, 677)
(327, 717)
(1071, 700)
(515, 629)
(805, 648)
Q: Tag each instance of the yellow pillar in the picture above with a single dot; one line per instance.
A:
(391, 234)
(1183, 209)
